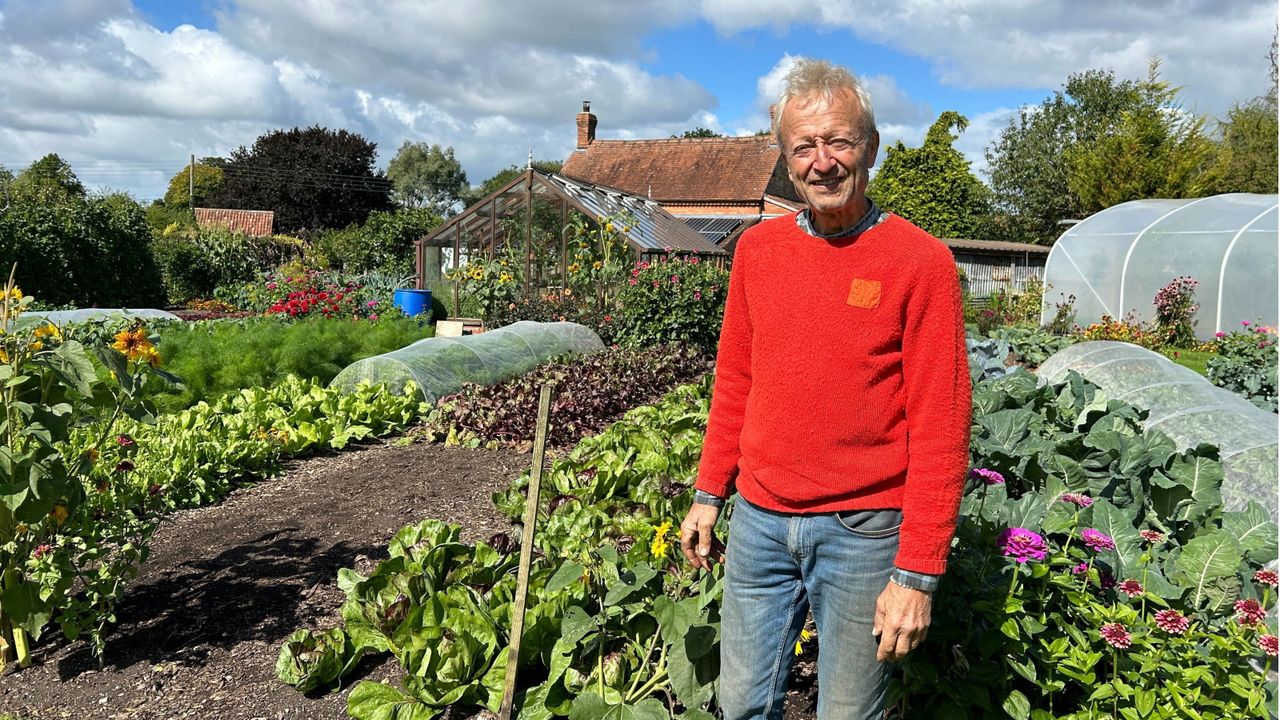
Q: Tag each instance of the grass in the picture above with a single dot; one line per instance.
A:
(1193, 359)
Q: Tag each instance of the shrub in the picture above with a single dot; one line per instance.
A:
(196, 264)
(1245, 364)
(556, 306)
(672, 300)
(384, 242)
(294, 292)
(1175, 309)
(81, 251)
(217, 358)
(1130, 330)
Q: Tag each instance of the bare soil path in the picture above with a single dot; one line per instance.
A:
(199, 630)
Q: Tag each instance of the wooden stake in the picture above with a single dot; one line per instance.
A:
(526, 551)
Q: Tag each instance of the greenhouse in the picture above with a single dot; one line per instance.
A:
(1114, 262)
(1187, 408)
(440, 365)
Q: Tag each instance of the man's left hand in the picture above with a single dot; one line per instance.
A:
(901, 622)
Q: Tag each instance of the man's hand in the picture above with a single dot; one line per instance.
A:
(901, 622)
(697, 536)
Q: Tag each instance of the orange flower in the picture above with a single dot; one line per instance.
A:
(130, 342)
(59, 514)
(149, 354)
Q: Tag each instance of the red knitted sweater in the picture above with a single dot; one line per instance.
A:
(842, 380)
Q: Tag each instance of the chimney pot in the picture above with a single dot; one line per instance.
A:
(586, 126)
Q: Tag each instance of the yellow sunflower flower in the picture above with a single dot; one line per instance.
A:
(130, 342)
(59, 514)
(805, 636)
(149, 354)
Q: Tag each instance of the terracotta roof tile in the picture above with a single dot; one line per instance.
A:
(724, 170)
(250, 222)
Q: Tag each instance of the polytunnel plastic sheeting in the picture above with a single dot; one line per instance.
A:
(64, 317)
(441, 365)
(1115, 261)
(1187, 408)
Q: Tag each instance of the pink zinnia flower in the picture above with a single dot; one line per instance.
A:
(990, 477)
(1115, 635)
(1080, 568)
(1244, 323)
(271, 286)
(1077, 499)
(1220, 334)
(693, 260)
(41, 551)
(1021, 544)
(1172, 622)
(1266, 577)
(124, 466)
(633, 281)
(697, 295)
(1152, 536)
(1132, 588)
(1249, 612)
(1269, 644)
(124, 440)
(372, 303)
(1097, 541)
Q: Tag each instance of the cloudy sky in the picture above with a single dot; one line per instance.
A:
(126, 90)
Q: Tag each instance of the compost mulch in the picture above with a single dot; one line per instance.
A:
(198, 631)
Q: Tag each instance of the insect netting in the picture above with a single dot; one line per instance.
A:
(1186, 407)
(441, 365)
(66, 317)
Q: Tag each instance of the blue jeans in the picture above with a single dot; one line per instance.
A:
(777, 567)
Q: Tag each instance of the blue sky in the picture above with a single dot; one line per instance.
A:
(126, 90)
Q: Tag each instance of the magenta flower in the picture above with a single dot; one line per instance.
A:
(1152, 536)
(1077, 499)
(1080, 568)
(633, 281)
(271, 286)
(693, 260)
(990, 477)
(1106, 580)
(124, 466)
(1249, 612)
(1115, 635)
(1097, 541)
(1021, 544)
(1220, 334)
(124, 441)
(1244, 323)
(41, 551)
(697, 295)
(1269, 644)
(1172, 622)
(371, 303)
(1266, 577)
(1132, 588)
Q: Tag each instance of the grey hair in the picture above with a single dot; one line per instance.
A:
(819, 78)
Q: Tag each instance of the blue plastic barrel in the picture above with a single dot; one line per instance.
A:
(411, 301)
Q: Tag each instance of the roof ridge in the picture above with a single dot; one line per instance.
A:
(733, 138)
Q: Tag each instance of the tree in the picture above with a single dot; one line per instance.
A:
(504, 176)
(1028, 168)
(51, 179)
(1152, 149)
(932, 185)
(313, 178)
(1246, 159)
(699, 132)
(208, 180)
(427, 177)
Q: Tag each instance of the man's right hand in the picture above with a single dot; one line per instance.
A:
(697, 536)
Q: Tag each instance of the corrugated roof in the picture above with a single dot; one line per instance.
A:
(250, 222)
(722, 170)
(995, 246)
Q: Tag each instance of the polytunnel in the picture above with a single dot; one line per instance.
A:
(1115, 261)
(1186, 407)
(64, 317)
(440, 365)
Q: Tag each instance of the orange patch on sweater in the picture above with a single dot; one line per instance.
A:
(864, 293)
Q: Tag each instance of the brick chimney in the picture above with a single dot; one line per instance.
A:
(586, 126)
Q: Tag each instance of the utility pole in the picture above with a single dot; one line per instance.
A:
(191, 185)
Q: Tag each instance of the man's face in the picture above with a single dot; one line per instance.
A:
(827, 158)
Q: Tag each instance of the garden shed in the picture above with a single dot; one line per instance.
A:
(533, 210)
(991, 266)
(1114, 262)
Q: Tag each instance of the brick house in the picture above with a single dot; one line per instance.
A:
(718, 186)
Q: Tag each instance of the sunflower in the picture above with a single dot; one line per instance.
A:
(149, 354)
(130, 343)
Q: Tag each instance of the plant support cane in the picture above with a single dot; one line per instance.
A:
(526, 551)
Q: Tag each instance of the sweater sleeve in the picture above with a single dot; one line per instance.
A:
(938, 407)
(718, 467)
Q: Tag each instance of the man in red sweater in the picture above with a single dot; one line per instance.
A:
(840, 416)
